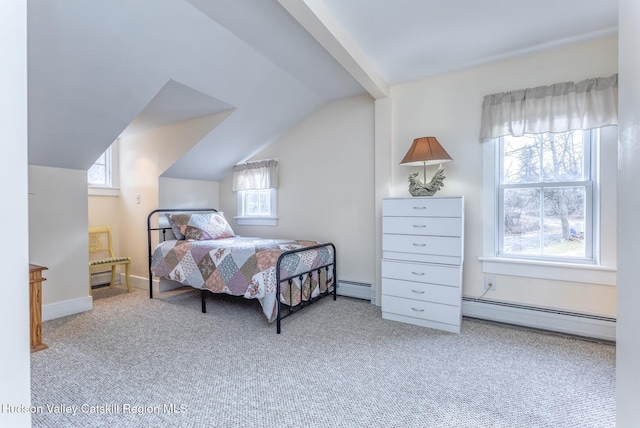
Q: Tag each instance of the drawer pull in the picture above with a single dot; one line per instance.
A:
(418, 273)
(418, 291)
(419, 245)
(416, 309)
(419, 208)
(419, 225)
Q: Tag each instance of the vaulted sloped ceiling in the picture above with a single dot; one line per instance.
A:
(97, 67)
(174, 103)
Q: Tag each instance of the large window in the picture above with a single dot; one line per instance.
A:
(549, 174)
(546, 196)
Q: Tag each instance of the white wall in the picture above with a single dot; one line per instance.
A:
(103, 210)
(15, 383)
(144, 157)
(628, 340)
(449, 107)
(179, 193)
(326, 185)
(58, 238)
(382, 177)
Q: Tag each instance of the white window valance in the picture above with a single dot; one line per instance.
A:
(256, 175)
(591, 103)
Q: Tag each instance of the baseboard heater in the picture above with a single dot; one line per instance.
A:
(359, 290)
(574, 323)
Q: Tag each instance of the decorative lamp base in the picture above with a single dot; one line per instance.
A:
(417, 188)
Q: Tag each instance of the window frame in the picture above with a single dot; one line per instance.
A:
(603, 271)
(244, 219)
(112, 188)
(591, 145)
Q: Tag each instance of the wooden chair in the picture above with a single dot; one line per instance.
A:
(101, 256)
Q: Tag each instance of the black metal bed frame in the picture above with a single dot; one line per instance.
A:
(331, 290)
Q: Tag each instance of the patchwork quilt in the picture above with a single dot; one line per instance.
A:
(243, 266)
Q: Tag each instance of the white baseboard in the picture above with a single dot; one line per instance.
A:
(137, 281)
(101, 278)
(578, 324)
(68, 307)
(159, 285)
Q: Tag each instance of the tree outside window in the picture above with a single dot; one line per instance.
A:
(546, 195)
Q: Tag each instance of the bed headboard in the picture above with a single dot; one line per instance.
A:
(163, 221)
(164, 228)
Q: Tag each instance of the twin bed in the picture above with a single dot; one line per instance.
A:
(198, 248)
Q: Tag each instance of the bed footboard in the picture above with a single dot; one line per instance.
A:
(326, 271)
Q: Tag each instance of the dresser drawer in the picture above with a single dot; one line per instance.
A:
(439, 245)
(420, 309)
(422, 207)
(435, 293)
(422, 272)
(438, 226)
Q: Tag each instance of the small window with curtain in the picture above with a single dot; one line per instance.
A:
(255, 184)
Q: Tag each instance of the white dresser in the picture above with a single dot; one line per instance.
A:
(422, 254)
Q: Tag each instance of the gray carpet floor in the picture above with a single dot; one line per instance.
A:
(136, 362)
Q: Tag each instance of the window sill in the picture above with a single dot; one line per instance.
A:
(257, 221)
(572, 272)
(103, 191)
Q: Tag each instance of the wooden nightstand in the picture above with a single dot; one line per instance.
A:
(35, 306)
